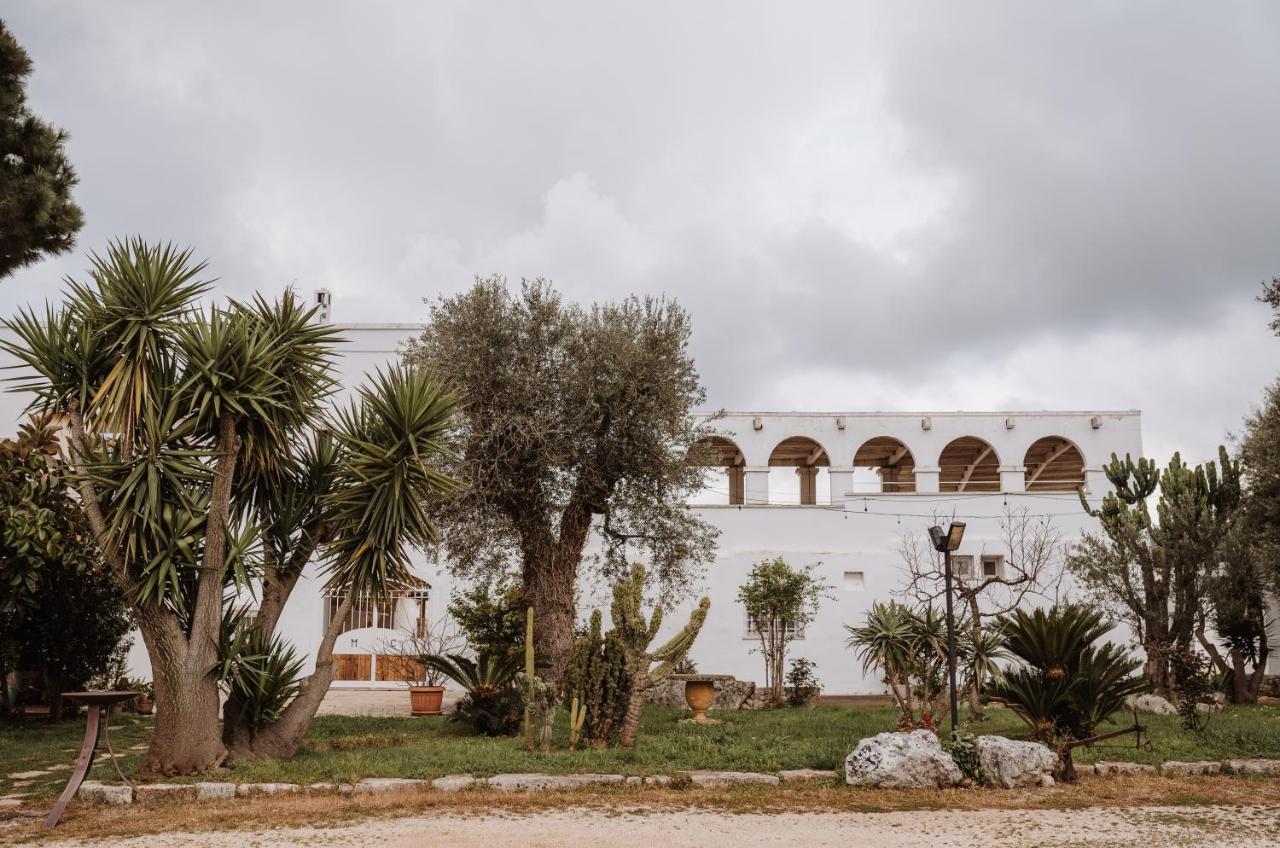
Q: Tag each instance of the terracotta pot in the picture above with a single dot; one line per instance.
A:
(426, 700)
(146, 706)
(699, 695)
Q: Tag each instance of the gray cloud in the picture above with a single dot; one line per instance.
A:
(875, 206)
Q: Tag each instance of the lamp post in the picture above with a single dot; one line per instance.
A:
(946, 541)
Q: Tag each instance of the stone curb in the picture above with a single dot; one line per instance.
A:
(92, 791)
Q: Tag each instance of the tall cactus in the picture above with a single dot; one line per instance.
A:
(635, 635)
(539, 696)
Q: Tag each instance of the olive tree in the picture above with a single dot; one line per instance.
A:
(571, 420)
(206, 467)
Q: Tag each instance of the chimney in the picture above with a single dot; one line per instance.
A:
(324, 303)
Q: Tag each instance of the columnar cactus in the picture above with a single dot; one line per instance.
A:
(539, 696)
(635, 635)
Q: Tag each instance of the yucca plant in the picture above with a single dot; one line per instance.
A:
(909, 648)
(205, 460)
(492, 701)
(260, 678)
(1066, 685)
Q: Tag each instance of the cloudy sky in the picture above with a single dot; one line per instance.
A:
(896, 206)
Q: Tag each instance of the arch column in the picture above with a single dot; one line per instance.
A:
(737, 485)
(756, 484)
(841, 481)
(808, 475)
(1013, 478)
(928, 479)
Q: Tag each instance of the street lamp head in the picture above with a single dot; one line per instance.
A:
(954, 535)
(939, 538)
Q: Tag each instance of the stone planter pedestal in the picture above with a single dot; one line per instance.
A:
(700, 694)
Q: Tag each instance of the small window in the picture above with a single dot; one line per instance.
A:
(792, 630)
(962, 567)
(853, 581)
(992, 566)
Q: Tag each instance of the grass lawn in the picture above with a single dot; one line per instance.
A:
(345, 749)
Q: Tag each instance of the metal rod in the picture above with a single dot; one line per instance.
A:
(83, 763)
(951, 643)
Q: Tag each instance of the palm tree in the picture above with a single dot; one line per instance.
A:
(205, 464)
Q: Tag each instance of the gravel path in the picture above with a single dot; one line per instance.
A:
(1151, 827)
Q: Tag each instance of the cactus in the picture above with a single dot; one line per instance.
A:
(599, 681)
(636, 634)
(577, 718)
(539, 696)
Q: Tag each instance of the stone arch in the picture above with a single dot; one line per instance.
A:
(968, 464)
(892, 460)
(806, 456)
(723, 452)
(1054, 464)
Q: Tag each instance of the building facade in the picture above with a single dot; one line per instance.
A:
(841, 491)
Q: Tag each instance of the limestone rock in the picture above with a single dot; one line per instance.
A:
(718, 779)
(1108, 768)
(144, 792)
(245, 790)
(100, 793)
(1150, 703)
(388, 784)
(1010, 764)
(1254, 766)
(802, 775)
(912, 760)
(1201, 767)
(657, 780)
(453, 782)
(211, 791)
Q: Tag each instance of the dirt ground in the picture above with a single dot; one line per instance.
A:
(1151, 827)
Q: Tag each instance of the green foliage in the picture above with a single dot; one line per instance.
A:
(37, 215)
(600, 681)
(259, 675)
(491, 705)
(538, 695)
(802, 682)
(780, 601)
(491, 616)
(964, 750)
(908, 647)
(60, 610)
(1195, 687)
(1065, 685)
(571, 418)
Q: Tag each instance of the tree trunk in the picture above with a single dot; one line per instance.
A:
(282, 738)
(186, 738)
(549, 574)
(635, 706)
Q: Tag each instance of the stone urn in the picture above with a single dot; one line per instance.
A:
(700, 694)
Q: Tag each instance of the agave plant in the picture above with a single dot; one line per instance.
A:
(1066, 685)
(908, 647)
(492, 703)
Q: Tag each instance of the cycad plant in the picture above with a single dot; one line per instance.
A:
(492, 701)
(1066, 685)
(207, 466)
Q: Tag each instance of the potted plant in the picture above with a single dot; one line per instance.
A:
(146, 697)
(426, 683)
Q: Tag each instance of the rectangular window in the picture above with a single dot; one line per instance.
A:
(364, 612)
(854, 581)
(792, 630)
(993, 566)
(962, 567)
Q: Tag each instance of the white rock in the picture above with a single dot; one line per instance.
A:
(801, 775)
(1201, 767)
(657, 780)
(453, 782)
(717, 779)
(245, 790)
(100, 793)
(912, 760)
(1254, 766)
(1010, 764)
(1122, 768)
(388, 784)
(322, 787)
(144, 792)
(535, 781)
(1150, 703)
(211, 791)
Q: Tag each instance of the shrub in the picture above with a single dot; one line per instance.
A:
(909, 647)
(492, 703)
(964, 750)
(803, 685)
(780, 601)
(1066, 684)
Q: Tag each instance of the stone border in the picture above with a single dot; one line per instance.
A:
(102, 793)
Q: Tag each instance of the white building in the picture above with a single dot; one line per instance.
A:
(833, 489)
